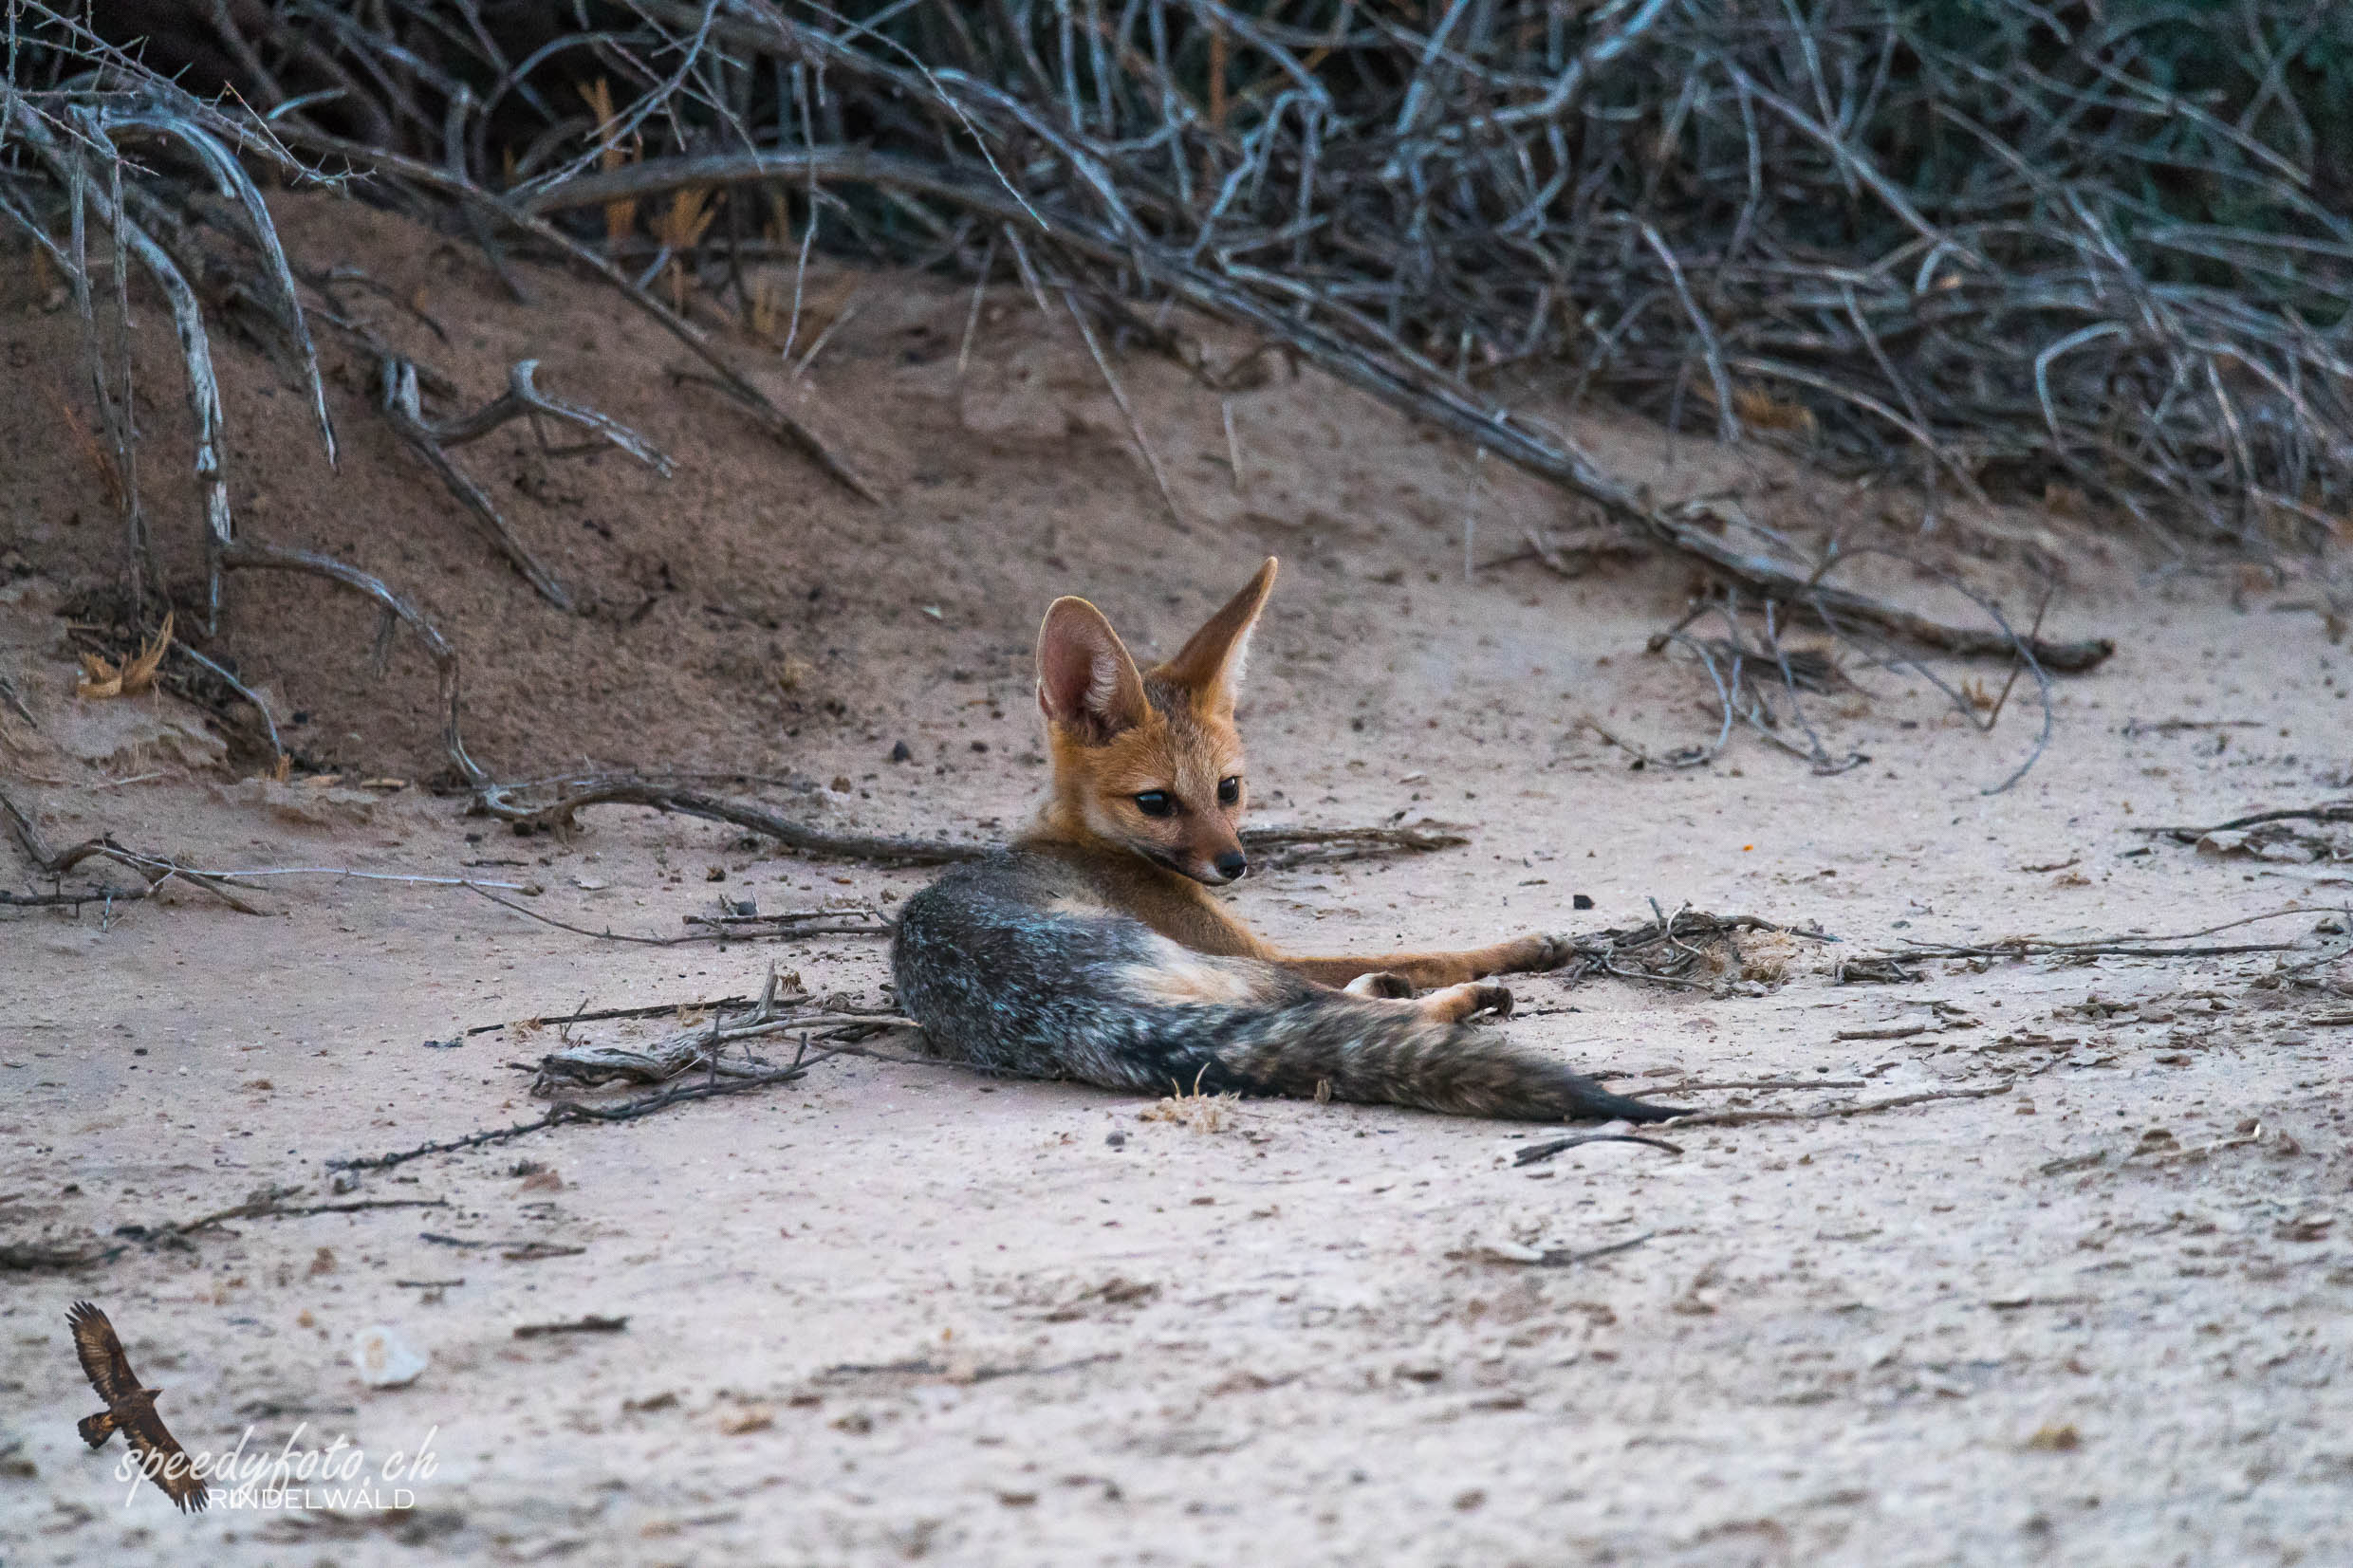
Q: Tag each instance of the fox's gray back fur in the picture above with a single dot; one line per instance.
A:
(1013, 963)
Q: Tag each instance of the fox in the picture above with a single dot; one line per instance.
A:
(1091, 948)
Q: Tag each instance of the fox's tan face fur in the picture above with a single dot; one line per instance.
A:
(1149, 760)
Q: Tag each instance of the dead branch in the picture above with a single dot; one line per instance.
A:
(1695, 1086)
(157, 870)
(401, 404)
(154, 870)
(776, 1012)
(2162, 1152)
(187, 690)
(1867, 970)
(266, 1203)
(592, 1066)
(1562, 1257)
(1424, 398)
(1536, 1153)
(1127, 411)
(564, 798)
(101, 894)
(269, 1204)
(512, 803)
(178, 116)
(1574, 554)
(591, 1324)
(562, 1112)
(777, 420)
(1834, 1113)
(718, 929)
(2135, 728)
(1991, 313)
(27, 835)
(2332, 811)
(252, 556)
(1835, 607)
(16, 700)
(1742, 685)
(565, 1112)
(705, 1047)
(524, 401)
(652, 1010)
(398, 402)
(798, 923)
(1662, 951)
(2182, 946)
(48, 1258)
(607, 935)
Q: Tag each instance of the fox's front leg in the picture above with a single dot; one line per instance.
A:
(1524, 955)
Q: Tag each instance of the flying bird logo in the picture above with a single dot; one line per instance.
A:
(130, 1409)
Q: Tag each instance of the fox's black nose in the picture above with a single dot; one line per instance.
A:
(1232, 866)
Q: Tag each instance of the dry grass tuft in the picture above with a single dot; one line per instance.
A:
(680, 227)
(1201, 1113)
(620, 215)
(102, 677)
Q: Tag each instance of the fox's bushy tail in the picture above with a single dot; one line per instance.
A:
(997, 980)
(1361, 1050)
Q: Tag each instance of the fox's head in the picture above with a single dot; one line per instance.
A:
(1150, 759)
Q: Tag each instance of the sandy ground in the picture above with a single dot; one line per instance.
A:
(893, 1312)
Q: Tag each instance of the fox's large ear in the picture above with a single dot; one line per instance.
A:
(1210, 664)
(1085, 677)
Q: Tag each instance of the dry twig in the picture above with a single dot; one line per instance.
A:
(155, 871)
(1835, 1113)
(266, 1203)
(554, 804)
(2182, 946)
(590, 1324)
(672, 1062)
(2332, 811)
(1536, 1153)
(705, 1047)
(1665, 950)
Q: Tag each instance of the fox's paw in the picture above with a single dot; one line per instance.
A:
(1535, 954)
(1489, 999)
(1455, 1004)
(1395, 987)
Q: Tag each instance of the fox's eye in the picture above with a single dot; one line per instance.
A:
(1229, 791)
(1156, 802)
